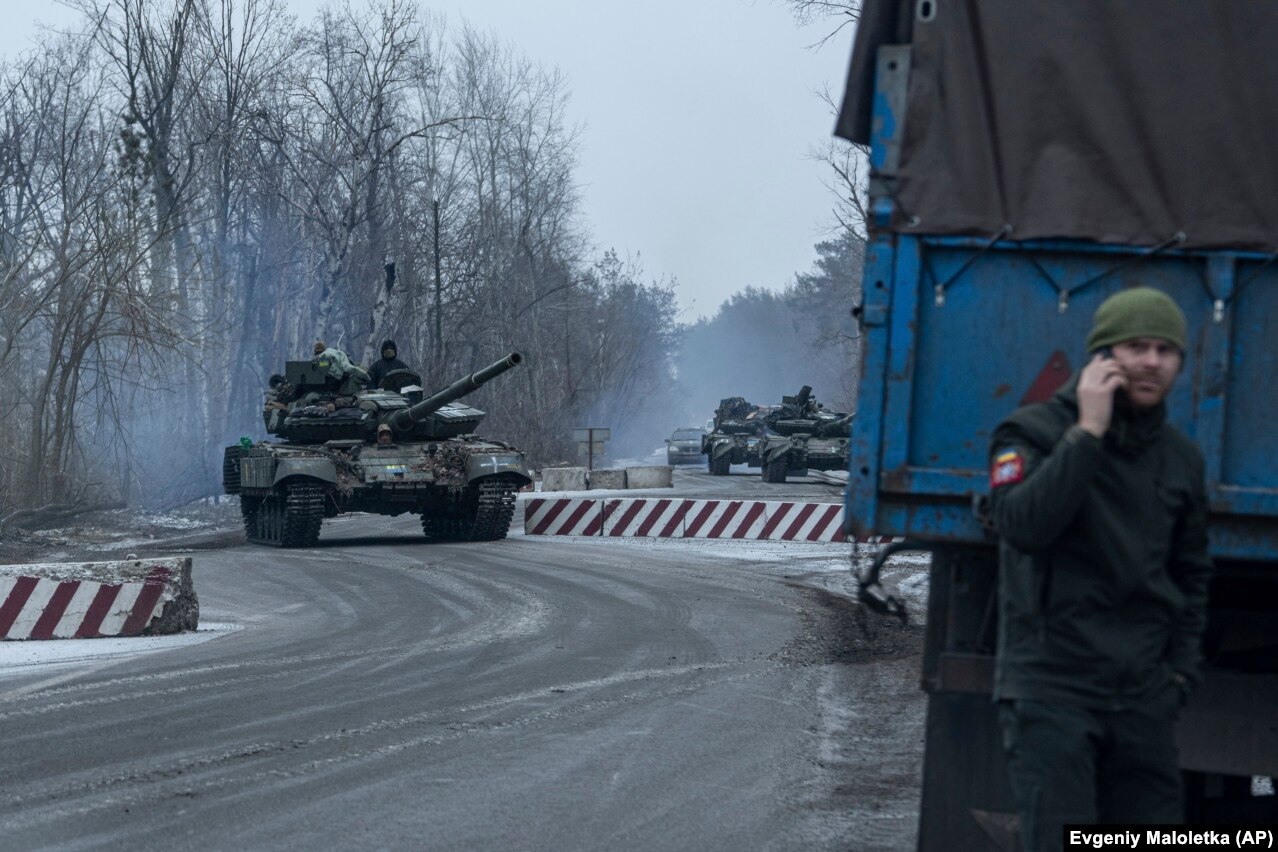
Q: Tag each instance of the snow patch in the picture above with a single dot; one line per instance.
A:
(33, 655)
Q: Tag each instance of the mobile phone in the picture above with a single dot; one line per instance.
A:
(1120, 393)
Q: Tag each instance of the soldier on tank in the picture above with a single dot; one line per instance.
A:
(385, 364)
(279, 397)
(346, 377)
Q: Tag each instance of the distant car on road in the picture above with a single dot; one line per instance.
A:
(684, 446)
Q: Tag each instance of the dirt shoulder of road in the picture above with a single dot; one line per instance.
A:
(98, 536)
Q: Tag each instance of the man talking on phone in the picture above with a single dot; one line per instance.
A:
(1101, 511)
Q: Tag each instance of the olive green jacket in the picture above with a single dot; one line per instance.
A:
(1103, 555)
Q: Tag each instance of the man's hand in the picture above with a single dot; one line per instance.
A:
(1183, 687)
(1096, 386)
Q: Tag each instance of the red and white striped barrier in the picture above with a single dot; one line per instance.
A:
(94, 599)
(755, 520)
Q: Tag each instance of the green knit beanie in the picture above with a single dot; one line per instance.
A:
(1138, 312)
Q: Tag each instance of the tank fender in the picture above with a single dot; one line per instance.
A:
(321, 469)
(721, 448)
(774, 449)
(487, 464)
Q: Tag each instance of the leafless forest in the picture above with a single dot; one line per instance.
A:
(193, 191)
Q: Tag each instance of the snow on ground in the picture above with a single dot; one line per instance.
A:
(51, 655)
(825, 564)
(121, 529)
(657, 456)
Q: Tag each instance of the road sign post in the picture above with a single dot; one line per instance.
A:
(590, 440)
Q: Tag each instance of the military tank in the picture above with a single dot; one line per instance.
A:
(735, 435)
(802, 435)
(389, 450)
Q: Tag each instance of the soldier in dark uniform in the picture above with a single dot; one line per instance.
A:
(1101, 510)
(383, 365)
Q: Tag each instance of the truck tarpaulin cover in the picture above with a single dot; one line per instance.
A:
(1120, 122)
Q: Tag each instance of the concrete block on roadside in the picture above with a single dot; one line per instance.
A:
(650, 476)
(82, 600)
(609, 478)
(563, 479)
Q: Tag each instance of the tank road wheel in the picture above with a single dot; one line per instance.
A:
(775, 470)
(290, 517)
(720, 466)
(250, 510)
(481, 512)
(442, 525)
(263, 518)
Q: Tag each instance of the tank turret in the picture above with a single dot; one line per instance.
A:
(309, 409)
(734, 434)
(804, 435)
(801, 414)
(406, 419)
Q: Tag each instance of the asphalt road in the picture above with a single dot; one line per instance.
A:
(565, 694)
(747, 483)
(742, 483)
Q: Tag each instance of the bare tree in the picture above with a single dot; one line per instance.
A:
(346, 121)
(158, 83)
(840, 14)
(197, 188)
(85, 272)
(240, 46)
(847, 176)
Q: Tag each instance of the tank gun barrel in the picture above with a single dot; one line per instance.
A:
(403, 420)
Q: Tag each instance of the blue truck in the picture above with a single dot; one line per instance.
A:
(1027, 161)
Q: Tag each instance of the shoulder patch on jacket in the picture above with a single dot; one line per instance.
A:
(1008, 468)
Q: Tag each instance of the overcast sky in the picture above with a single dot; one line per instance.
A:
(698, 118)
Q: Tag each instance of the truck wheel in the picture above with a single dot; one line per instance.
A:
(774, 471)
(720, 466)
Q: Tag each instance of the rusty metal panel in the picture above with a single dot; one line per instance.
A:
(967, 801)
(974, 326)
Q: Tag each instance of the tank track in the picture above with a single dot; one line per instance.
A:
(289, 520)
(482, 512)
(438, 526)
(495, 511)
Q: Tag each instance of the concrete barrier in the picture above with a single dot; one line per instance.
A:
(563, 479)
(653, 517)
(612, 478)
(82, 600)
(653, 476)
